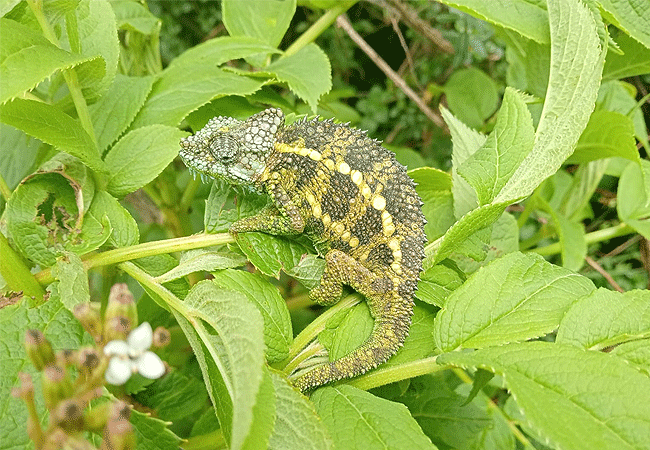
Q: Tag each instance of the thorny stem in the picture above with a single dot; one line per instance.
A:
(122, 254)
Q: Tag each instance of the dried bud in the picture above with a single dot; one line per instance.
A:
(89, 315)
(117, 329)
(118, 435)
(119, 411)
(69, 415)
(38, 349)
(161, 337)
(66, 358)
(89, 359)
(57, 439)
(25, 390)
(121, 303)
(56, 385)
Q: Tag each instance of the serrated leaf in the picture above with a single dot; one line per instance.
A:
(577, 57)
(307, 73)
(308, 271)
(514, 298)
(437, 283)
(174, 396)
(633, 195)
(139, 157)
(358, 419)
(72, 280)
(152, 433)
(489, 168)
(124, 227)
(202, 260)
(572, 237)
(528, 63)
(631, 16)
(277, 322)
(606, 318)
(607, 134)
(435, 189)
(266, 21)
(472, 107)
(346, 331)
(231, 360)
(116, 109)
(270, 254)
(527, 18)
(596, 411)
(635, 59)
(28, 58)
(54, 127)
(296, 425)
(635, 352)
(60, 328)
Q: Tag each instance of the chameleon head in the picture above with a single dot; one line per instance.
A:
(231, 149)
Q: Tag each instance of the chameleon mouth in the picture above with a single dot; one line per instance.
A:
(205, 178)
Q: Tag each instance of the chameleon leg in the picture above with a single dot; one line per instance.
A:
(392, 314)
(270, 221)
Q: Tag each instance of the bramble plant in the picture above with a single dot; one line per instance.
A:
(528, 118)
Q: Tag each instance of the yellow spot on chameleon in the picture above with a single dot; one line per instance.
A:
(379, 203)
(316, 210)
(326, 219)
(354, 241)
(329, 164)
(344, 168)
(315, 155)
(356, 176)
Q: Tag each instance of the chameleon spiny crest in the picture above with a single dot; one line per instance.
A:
(349, 195)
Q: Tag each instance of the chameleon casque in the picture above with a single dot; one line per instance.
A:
(348, 194)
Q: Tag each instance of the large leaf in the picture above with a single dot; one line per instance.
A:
(357, 419)
(517, 297)
(473, 106)
(633, 194)
(608, 134)
(632, 16)
(572, 398)
(266, 21)
(634, 61)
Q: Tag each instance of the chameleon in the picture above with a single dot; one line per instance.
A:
(348, 194)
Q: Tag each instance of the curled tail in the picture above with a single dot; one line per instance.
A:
(392, 322)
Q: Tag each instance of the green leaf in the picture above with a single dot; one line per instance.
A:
(607, 134)
(116, 109)
(270, 254)
(489, 168)
(174, 396)
(266, 21)
(72, 280)
(297, 426)
(18, 155)
(139, 157)
(418, 343)
(572, 237)
(277, 322)
(495, 307)
(634, 61)
(526, 17)
(466, 142)
(620, 97)
(585, 182)
(54, 127)
(529, 63)
(577, 56)
(231, 357)
(633, 195)
(358, 419)
(124, 227)
(631, 16)
(635, 352)
(307, 73)
(606, 318)
(60, 328)
(152, 433)
(346, 330)
(308, 271)
(28, 58)
(264, 414)
(437, 283)
(601, 401)
(434, 187)
(473, 106)
(97, 34)
(202, 260)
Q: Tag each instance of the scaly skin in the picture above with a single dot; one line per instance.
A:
(349, 195)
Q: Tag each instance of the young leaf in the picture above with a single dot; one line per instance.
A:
(270, 254)
(202, 260)
(494, 307)
(608, 133)
(152, 433)
(72, 280)
(631, 16)
(307, 73)
(635, 59)
(28, 58)
(601, 402)
(266, 21)
(54, 127)
(435, 189)
(60, 328)
(606, 318)
(633, 195)
(358, 419)
(124, 227)
(437, 283)
(296, 424)
(231, 359)
(277, 322)
(116, 109)
(472, 107)
(577, 56)
(139, 157)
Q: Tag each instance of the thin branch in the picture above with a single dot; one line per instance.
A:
(343, 22)
(604, 273)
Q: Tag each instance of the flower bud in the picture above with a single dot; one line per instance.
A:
(56, 385)
(69, 415)
(88, 314)
(117, 329)
(161, 337)
(118, 435)
(89, 359)
(95, 418)
(121, 303)
(66, 358)
(38, 349)
(25, 390)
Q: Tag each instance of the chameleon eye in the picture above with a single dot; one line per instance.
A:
(224, 148)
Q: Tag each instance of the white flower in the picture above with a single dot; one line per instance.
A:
(132, 356)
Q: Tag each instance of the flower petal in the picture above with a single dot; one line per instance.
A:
(140, 339)
(149, 365)
(116, 347)
(118, 371)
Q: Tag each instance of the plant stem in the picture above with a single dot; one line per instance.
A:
(161, 291)
(318, 27)
(122, 254)
(590, 238)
